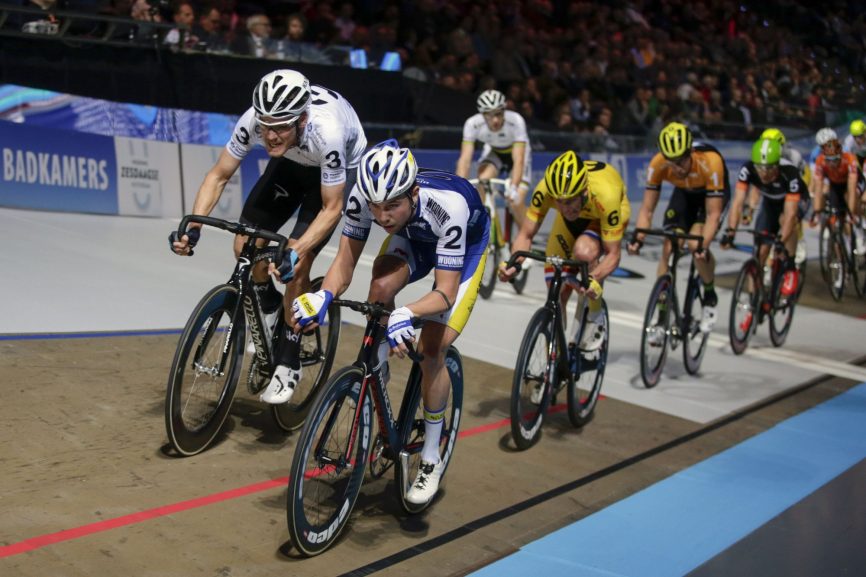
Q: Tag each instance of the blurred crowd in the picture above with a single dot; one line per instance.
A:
(618, 67)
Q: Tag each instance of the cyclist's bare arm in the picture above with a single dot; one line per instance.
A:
(816, 189)
(612, 255)
(447, 281)
(645, 215)
(465, 160)
(739, 200)
(518, 158)
(340, 273)
(714, 206)
(324, 223)
(523, 241)
(214, 184)
(852, 191)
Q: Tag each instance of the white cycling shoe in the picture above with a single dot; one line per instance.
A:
(709, 316)
(593, 336)
(426, 483)
(282, 385)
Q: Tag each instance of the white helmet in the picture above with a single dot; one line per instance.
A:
(386, 172)
(282, 94)
(490, 100)
(825, 135)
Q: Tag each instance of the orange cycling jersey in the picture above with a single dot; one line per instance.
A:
(706, 173)
(838, 172)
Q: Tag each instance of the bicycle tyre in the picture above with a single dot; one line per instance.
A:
(195, 414)
(318, 348)
(694, 340)
(837, 265)
(412, 428)
(519, 282)
(855, 265)
(530, 372)
(781, 313)
(825, 241)
(491, 266)
(321, 495)
(590, 374)
(743, 318)
(651, 370)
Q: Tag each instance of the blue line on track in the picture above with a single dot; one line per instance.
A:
(674, 526)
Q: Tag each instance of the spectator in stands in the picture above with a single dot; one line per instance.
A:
(208, 29)
(294, 46)
(257, 41)
(183, 15)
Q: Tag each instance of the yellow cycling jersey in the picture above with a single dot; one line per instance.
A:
(606, 203)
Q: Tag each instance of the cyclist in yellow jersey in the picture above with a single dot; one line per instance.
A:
(701, 191)
(592, 213)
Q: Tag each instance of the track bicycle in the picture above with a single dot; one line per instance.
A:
(337, 441)
(546, 363)
(209, 355)
(664, 324)
(500, 238)
(836, 254)
(758, 296)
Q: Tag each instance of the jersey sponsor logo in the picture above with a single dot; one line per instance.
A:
(444, 261)
(280, 192)
(54, 169)
(439, 213)
(139, 173)
(356, 232)
(333, 177)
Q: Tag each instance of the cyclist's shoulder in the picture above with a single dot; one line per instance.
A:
(475, 122)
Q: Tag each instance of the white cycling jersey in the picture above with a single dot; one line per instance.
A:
(850, 145)
(513, 130)
(332, 139)
(792, 156)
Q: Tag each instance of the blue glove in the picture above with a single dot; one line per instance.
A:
(310, 307)
(287, 266)
(400, 327)
(192, 235)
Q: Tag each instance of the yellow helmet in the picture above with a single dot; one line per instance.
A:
(858, 128)
(566, 177)
(773, 134)
(675, 140)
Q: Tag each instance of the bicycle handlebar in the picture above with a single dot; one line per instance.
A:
(672, 235)
(555, 261)
(374, 311)
(235, 228)
(777, 242)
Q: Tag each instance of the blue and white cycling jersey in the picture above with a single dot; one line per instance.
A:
(449, 216)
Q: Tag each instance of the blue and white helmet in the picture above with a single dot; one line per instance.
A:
(386, 172)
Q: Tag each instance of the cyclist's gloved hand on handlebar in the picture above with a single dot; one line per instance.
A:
(634, 244)
(312, 307)
(510, 192)
(286, 268)
(400, 329)
(727, 239)
(507, 273)
(184, 245)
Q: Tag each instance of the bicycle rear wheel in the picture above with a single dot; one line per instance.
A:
(781, 313)
(855, 266)
(534, 378)
(324, 481)
(491, 268)
(825, 242)
(743, 319)
(412, 428)
(200, 391)
(318, 348)
(656, 331)
(837, 266)
(694, 339)
(584, 391)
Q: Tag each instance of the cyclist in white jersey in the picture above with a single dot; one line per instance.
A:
(315, 141)
(435, 221)
(506, 148)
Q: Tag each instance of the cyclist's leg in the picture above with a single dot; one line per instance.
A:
(588, 248)
(517, 206)
(560, 243)
(677, 217)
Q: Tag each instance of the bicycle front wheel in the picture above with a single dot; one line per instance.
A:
(781, 313)
(837, 266)
(656, 331)
(855, 266)
(744, 307)
(585, 389)
(694, 339)
(534, 377)
(204, 372)
(318, 349)
(491, 269)
(328, 464)
(412, 428)
(825, 244)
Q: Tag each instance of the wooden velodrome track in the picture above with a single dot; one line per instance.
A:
(90, 488)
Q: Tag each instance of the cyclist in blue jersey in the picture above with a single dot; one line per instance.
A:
(435, 221)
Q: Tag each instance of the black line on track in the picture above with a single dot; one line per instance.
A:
(482, 522)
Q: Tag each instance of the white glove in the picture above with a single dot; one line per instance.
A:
(312, 307)
(400, 327)
(510, 192)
